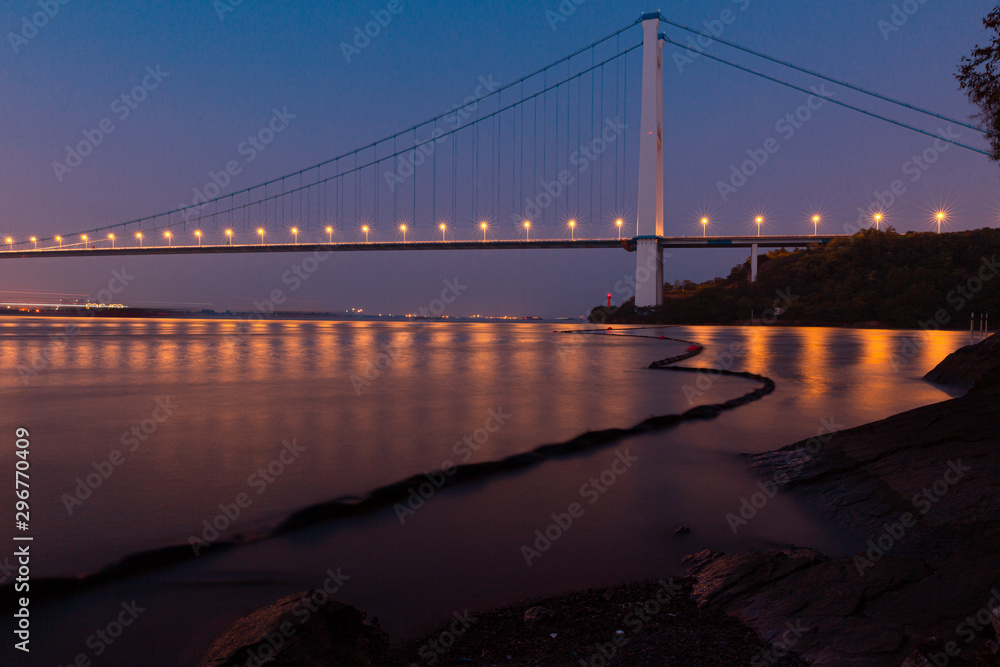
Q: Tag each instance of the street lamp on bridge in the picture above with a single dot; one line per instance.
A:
(295, 233)
(260, 233)
(442, 227)
(364, 228)
(527, 230)
(111, 237)
(759, 220)
(10, 243)
(815, 224)
(704, 226)
(618, 223)
(572, 229)
(229, 236)
(329, 233)
(59, 239)
(197, 233)
(402, 228)
(34, 240)
(483, 226)
(169, 237)
(138, 235)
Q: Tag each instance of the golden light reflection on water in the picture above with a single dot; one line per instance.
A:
(758, 345)
(814, 362)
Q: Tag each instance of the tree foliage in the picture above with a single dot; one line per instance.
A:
(978, 76)
(896, 280)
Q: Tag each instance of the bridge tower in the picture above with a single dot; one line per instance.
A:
(649, 255)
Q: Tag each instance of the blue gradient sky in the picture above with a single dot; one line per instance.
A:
(226, 75)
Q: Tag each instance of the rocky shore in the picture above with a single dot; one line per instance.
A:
(922, 487)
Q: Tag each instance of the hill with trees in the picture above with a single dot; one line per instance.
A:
(873, 278)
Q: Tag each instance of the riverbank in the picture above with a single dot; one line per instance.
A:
(923, 487)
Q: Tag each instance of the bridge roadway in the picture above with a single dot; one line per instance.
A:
(376, 246)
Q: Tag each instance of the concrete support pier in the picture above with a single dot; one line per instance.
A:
(649, 256)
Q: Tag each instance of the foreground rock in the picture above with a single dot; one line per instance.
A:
(923, 490)
(966, 366)
(295, 631)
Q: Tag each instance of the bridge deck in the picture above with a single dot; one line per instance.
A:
(376, 246)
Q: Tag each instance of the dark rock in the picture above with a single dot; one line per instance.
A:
(966, 366)
(536, 616)
(288, 634)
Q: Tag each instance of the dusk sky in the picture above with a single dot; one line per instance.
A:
(222, 68)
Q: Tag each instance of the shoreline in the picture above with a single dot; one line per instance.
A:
(922, 486)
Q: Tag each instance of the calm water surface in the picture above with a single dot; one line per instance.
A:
(368, 403)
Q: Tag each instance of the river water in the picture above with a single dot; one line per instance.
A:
(146, 432)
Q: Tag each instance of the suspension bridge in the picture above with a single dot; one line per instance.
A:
(558, 150)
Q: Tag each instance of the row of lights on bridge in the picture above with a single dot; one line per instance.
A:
(877, 219)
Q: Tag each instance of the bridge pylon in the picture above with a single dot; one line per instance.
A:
(649, 255)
